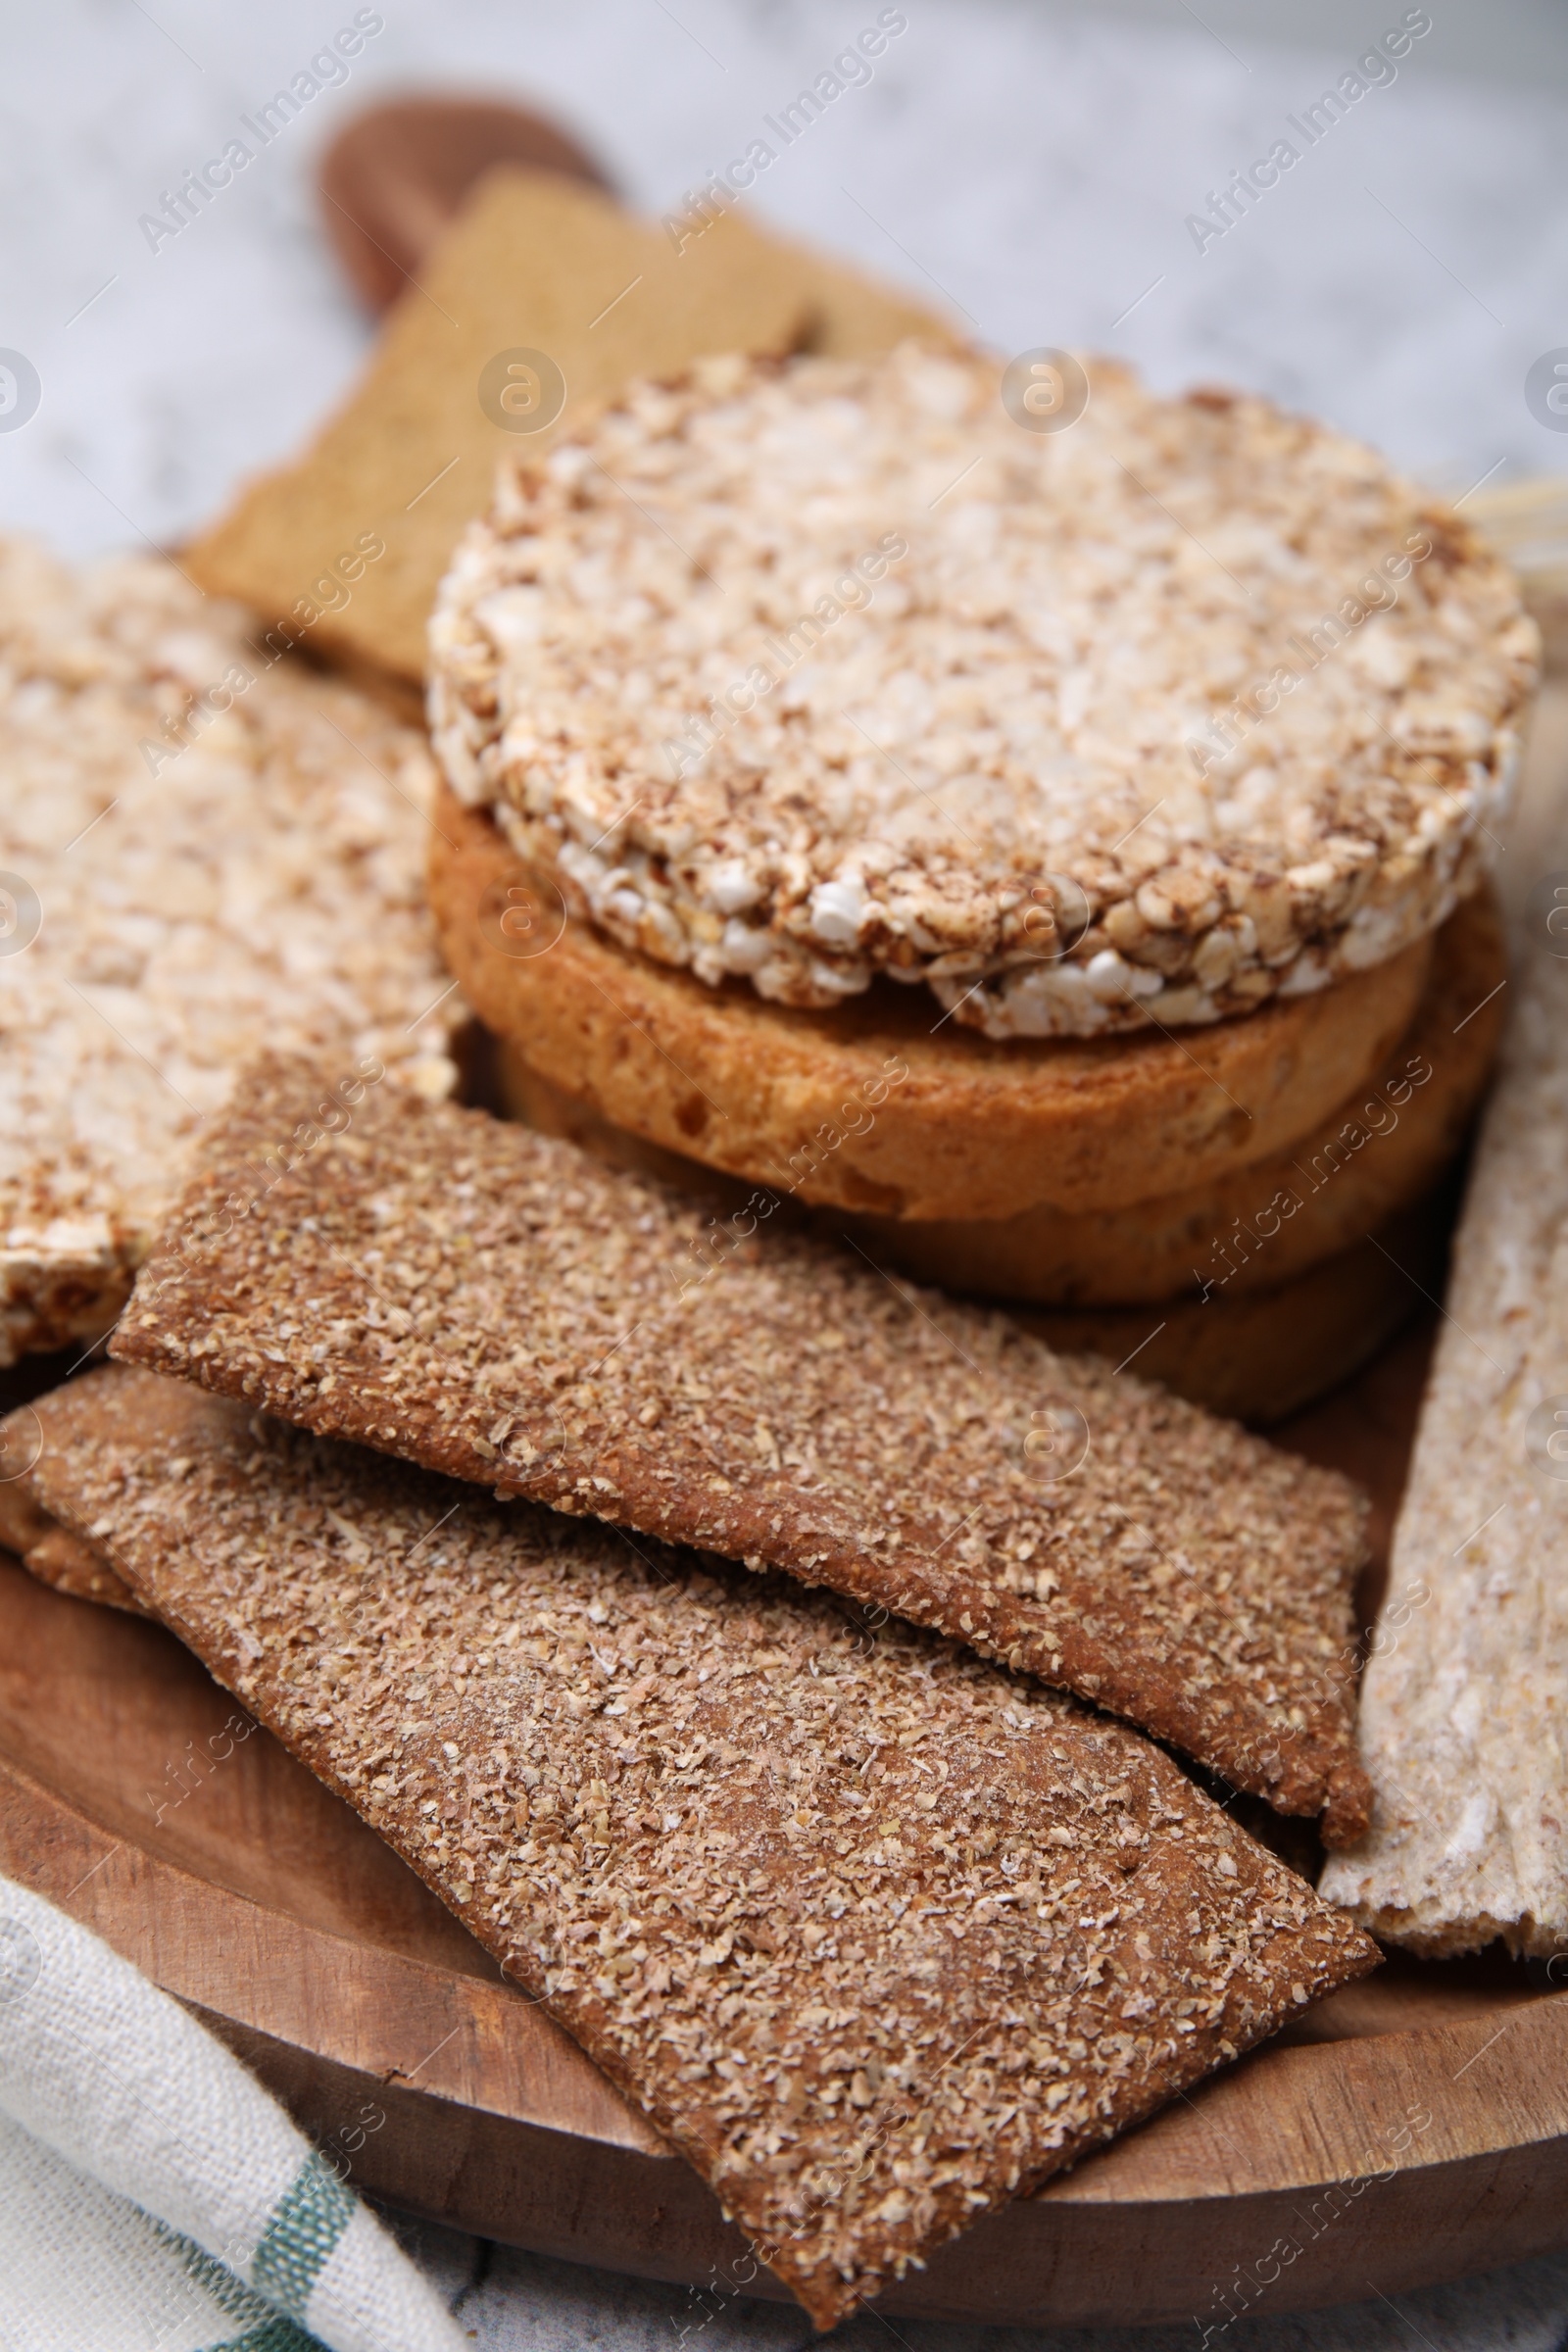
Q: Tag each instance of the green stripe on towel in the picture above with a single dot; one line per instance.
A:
(306, 2224)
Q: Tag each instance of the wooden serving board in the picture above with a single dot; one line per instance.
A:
(1411, 2127)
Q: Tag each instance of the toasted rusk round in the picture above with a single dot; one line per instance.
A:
(883, 1104)
(792, 674)
(1263, 1355)
(1257, 1353)
(1379, 1150)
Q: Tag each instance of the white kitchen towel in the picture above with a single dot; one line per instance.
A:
(153, 2197)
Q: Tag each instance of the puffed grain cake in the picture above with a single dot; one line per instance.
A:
(797, 672)
(499, 1306)
(878, 1936)
(884, 1105)
(195, 869)
(1462, 1705)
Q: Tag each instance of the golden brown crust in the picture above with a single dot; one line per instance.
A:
(1379, 1152)
(877, 1935)
(974, 1129)
(1255, 1227)
(497, 1305)
(1265, 1354)
(1252, 1353)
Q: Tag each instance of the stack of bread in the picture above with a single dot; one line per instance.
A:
(1058, 860)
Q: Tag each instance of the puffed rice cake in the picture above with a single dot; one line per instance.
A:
(206, 849)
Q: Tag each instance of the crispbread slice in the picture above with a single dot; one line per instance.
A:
(878, 1936)
(53, 1554)
(208, 850)
(536, 263)
(1462, 1708)
(498, 1305)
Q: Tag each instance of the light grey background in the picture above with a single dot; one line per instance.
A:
(1033, 166)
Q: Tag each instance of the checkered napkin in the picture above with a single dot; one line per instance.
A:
(153, 2198)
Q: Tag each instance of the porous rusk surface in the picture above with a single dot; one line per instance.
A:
(220, 855)
(878, 1934)
(1462, 1702)
(498, 1305)
(1262, 1355)
(797, 671)
(883, 1104)
(1257, 1227)
(1254, 1230)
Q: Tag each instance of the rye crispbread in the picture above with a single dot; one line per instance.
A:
(1377, 1153)
(883, 1103)
(1463, 1701)
(878, 1936)
(536, 263)
(52, 1554)
(499, 1306)
(794, 672)
(207, 850)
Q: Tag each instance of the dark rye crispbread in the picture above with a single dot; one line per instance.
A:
(497, 1305)
(877, 1935)
(52, 1554)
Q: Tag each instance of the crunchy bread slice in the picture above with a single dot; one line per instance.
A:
(498, 1305)
(1462, 1707)
(1248, 1229)
(964, 1127)
(208, 850)
(878, 1936)
(910, 690)
(53, 1554)
(536, 263)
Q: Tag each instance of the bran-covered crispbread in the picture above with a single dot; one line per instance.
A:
(542, 299)
(877, 1935)
(498, 1305)
(53, 1554)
